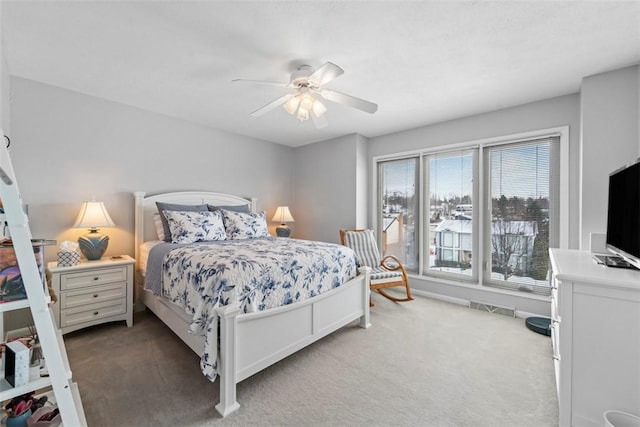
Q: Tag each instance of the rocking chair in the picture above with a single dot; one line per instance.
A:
(384, 274)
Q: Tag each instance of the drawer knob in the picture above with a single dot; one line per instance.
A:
(95, 295)
(96, 278)
(95, 313)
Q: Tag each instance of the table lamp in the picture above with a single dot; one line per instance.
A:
(92, 216)
(283, 215)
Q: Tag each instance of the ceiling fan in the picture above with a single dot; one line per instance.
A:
(307, 82)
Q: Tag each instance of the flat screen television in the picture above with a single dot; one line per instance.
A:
(623, 214)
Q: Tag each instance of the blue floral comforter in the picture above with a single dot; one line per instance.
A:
(258, 274)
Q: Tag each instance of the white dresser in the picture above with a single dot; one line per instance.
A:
(595, 333)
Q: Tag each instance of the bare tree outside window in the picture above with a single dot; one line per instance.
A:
(512, 246)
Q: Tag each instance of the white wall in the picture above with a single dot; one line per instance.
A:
(325, 183)
(4, 83)
(610, 140)
(362, 182)
(67, 147)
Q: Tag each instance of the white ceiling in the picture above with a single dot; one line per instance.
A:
(422, 62)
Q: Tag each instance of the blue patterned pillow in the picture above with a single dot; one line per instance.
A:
(189, 227)
(240, 225)
(175, 207)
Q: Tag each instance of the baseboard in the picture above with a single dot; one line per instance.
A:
(445, 298)
(466, 303)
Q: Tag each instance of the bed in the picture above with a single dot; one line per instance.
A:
(247, 342)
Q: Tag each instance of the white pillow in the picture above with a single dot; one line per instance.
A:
(189, 227)
(241, 225)
(159, 228)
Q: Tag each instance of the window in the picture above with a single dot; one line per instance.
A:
(449, 182)
(397, 222)
(522, 186)
(488, 211)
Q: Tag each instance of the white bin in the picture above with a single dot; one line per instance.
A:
(620, 419)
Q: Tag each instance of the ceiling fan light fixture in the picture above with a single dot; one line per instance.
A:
(307, 85)
(292, 104)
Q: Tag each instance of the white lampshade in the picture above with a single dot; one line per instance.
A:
(282, 215)
(292, 104)
(93, 215)
(318, 108)
(303, 114)
(306, 101)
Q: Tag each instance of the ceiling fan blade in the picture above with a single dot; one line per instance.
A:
(349, 100)
(319, 122)
(273, 104)
(281, 84)
(327, 72)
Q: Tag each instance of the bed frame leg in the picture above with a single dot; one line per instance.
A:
(366, 295)
(227, 375)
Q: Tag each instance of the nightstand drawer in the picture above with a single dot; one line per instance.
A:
(92, 312)
(94, 277)
(93, 294)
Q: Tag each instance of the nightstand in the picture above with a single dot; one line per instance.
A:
(93, 292)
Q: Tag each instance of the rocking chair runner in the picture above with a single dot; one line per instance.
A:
(383, 273)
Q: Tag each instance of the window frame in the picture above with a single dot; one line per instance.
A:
(475, 267)
(480, 259)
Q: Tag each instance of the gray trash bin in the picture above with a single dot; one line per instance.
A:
(620, 419)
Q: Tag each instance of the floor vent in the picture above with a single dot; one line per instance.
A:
(493, 309)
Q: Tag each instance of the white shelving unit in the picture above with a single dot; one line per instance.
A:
(53, 349)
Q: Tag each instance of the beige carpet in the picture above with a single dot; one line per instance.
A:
(422, 363)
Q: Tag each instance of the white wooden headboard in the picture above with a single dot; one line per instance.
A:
(145, 207)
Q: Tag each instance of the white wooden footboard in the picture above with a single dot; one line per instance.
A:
(251, 342)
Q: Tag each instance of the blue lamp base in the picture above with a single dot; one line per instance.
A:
(93, 245)
(283, 230)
